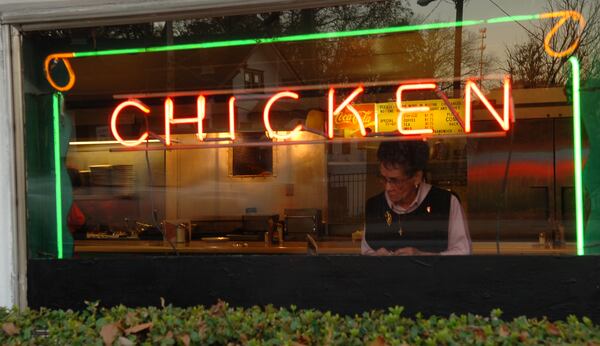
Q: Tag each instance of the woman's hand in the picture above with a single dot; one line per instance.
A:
(411, 251)
(407, 251)
(383, 252)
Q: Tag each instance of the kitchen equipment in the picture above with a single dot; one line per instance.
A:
(299, 222)
(177, 232)
(101, 175)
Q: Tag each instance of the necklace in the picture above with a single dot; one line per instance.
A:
(389, 220)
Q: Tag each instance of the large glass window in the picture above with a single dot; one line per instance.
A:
(278, 132)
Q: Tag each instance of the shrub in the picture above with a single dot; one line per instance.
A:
(224, 325)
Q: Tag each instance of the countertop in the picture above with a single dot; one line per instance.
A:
(331, 247)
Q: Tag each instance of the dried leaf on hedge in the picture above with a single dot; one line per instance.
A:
(523, 336)
(243, 339)
(379, 341)
(185, 339)
(10, 328)
(130, 318)
(303, 339)
(202, 328)
(109, 333)
(219, 308)
(552, 329)
(503, 331)
(297, 344)
(138, 328)
(123, 341)
(479, 334)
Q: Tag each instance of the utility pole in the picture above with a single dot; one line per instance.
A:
(458, 48)
(459, 4)
(483, 32)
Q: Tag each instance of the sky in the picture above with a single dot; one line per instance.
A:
(498, 35)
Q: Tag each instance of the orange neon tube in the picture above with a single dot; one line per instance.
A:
(451, 108)
(504, 121)
(170, 118)
(266, 116)
(201, 111)
(564, 17)
(64, 57)
(508, 100)
(113, 122)
(404, 110)
(232, 118)
(346, 104)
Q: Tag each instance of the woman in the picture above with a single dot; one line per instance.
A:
(411, 217)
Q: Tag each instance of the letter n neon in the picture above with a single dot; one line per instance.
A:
(504, 121)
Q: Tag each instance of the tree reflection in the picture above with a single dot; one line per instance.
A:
(529, 64)
(424, 54)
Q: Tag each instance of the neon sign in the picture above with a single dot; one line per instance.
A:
(344, 105)
(115, 116)
(471, 87)
(266, 116)
(503, 121)
(563, 15)
(404, 110)
(170, 119)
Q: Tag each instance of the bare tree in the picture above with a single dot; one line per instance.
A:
(528, 62)
(437, 51)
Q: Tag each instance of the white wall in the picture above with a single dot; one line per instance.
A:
(200, 185)
(8, 274)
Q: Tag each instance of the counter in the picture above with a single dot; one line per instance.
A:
(332, 247)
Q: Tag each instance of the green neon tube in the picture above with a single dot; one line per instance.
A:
(514, 18)
(56, 101)
(577, 155)
(307, 37)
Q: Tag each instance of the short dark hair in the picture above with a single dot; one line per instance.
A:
(411, 156)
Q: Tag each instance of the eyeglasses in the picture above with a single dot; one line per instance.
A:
(397, 182)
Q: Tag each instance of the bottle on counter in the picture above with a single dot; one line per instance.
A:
(558, 235)
(182, 234)
(277, 235)
(542, 239)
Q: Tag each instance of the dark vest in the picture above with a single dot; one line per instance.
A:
(425, 228)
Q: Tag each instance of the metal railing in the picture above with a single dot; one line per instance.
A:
(347, 196)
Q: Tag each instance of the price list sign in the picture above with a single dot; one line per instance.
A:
(438, 118)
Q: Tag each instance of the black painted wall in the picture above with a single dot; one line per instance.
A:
(532, 286)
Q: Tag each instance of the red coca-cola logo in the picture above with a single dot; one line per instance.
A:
(349, 118)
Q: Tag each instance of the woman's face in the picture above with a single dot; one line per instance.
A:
(400, 188)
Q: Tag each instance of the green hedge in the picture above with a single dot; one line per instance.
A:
(223, 325)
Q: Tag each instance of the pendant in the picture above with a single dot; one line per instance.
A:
(400, 232)
(388, 218)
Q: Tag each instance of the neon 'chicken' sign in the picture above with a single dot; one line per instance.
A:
(471, 88)
(333, 109)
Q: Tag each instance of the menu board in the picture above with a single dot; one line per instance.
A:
(383, 117)
(439, 118)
